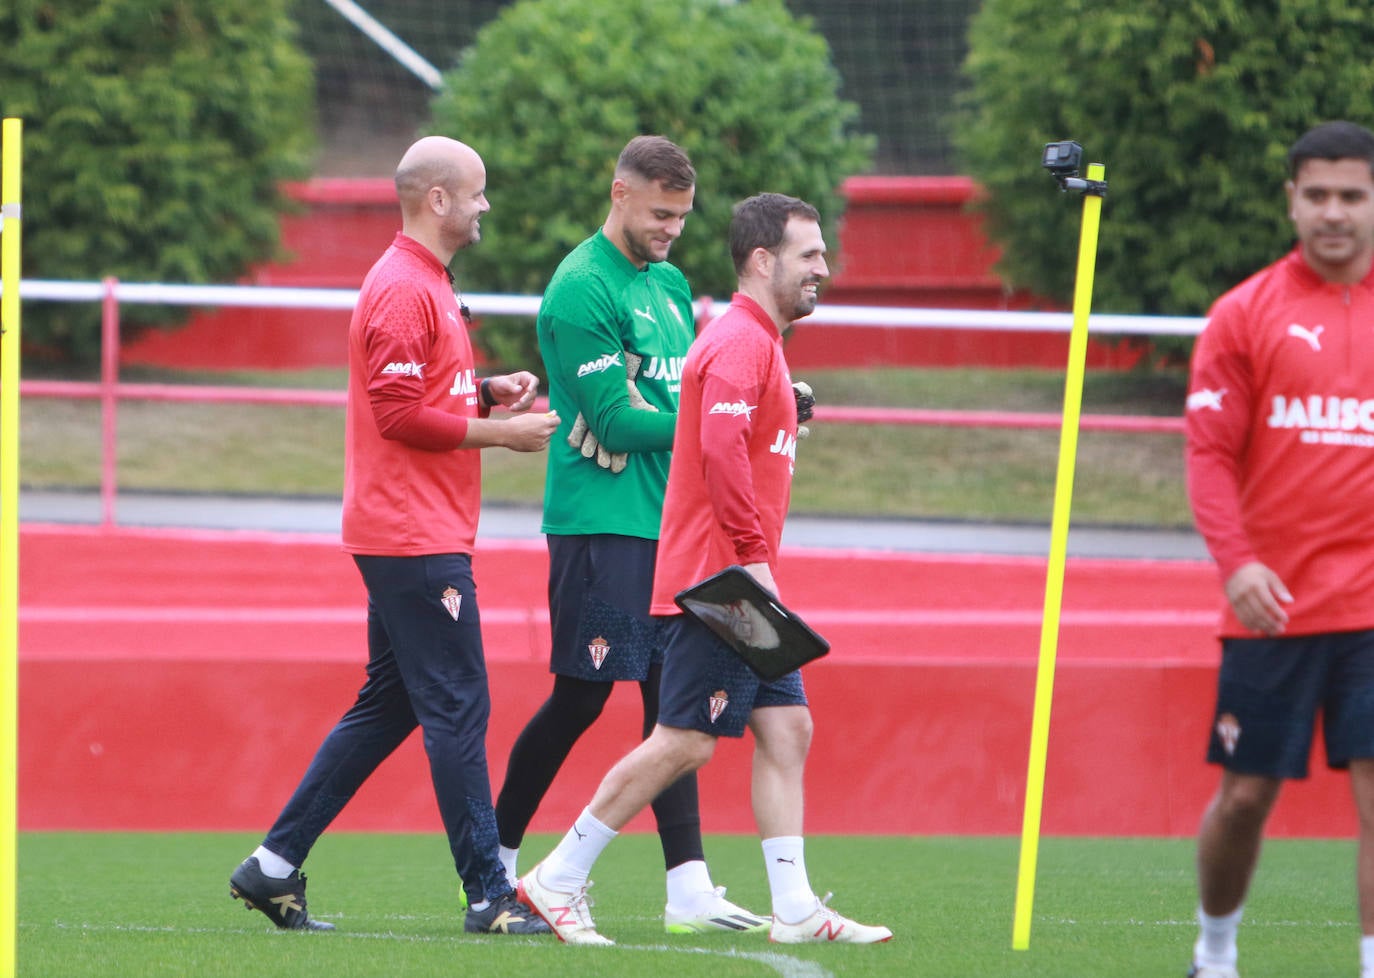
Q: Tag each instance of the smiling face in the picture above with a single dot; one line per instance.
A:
(646, 218)
(798, 268)
(1331, 203)
(442, 186)
(466, 202)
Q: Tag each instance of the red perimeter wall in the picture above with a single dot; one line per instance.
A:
(173, 680)
(904, 241)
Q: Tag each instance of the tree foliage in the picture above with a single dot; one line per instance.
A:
(156, 137)
(1191, 107)
(553, 89)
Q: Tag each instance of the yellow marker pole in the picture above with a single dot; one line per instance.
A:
(1054, 576)
(11, 138)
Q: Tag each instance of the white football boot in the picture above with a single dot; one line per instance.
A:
(826, 926)
(569, 914)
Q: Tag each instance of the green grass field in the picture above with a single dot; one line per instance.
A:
(149, 905)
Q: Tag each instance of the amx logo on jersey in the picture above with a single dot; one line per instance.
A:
(1324, 419)
(600, 365)
(734, 408)
(404, 369)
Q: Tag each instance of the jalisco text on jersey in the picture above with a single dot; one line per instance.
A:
(663, 368)
(1322, 412)
(463, 383)
(785, 445)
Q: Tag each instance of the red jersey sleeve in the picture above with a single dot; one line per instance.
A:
(398, 346)
(1217, 430)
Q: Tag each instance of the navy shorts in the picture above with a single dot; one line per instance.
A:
(1270, 691)
(707, 687)
(599, 590)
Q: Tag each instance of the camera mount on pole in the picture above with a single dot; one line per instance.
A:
(1063, 159)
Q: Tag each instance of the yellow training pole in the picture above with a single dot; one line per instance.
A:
(1054, 576)
(11, 138)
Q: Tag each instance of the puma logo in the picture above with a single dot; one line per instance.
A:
(580, 834)
(790, 862)
(1311, 336)
(1206, 398)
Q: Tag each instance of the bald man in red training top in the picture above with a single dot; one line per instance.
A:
(417, 416)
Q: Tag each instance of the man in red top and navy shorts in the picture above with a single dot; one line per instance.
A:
(1280, 451)
(728, 488)
(415, 418)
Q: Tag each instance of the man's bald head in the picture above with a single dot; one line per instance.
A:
(441, 184)
(434, 161)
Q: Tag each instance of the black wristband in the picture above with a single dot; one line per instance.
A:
(484, 392)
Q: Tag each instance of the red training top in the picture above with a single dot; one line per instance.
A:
(1280, 441)
(411, 391)
(733, 452)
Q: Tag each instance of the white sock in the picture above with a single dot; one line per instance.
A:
(793, 899)
(1367, 956)
(273, 865)
(566, 869)
(689, 886)
(1216, 944)
(508, 860)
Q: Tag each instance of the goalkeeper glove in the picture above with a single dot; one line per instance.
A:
(806, 403)
(581, 436)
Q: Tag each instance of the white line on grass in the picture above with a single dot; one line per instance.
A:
(785, 966)
(271, 933)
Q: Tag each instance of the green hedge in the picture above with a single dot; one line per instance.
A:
(1190, 105)
(156, 136)
(553, 89)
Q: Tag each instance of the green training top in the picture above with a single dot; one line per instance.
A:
(598, 306)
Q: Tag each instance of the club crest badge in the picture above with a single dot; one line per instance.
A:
(720, 699)
(598, 648)
(452, 601)
(1228, 729)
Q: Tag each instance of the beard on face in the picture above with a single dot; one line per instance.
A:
(801, 302)
(642, 248)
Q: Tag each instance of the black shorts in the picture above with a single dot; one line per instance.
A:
(599, 591)
(1270, 690)
(707, 687)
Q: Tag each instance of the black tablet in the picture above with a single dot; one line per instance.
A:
(772, 640)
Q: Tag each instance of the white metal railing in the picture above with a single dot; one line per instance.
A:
(492, 304)
(109, 390)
